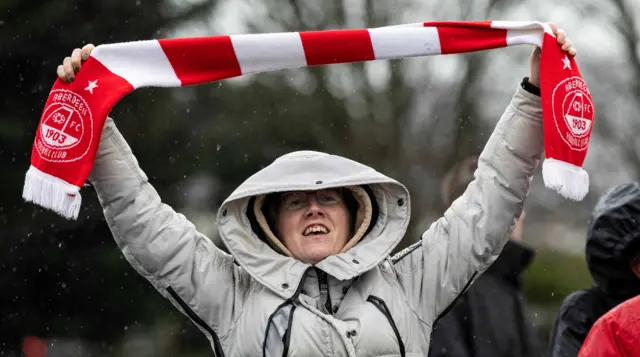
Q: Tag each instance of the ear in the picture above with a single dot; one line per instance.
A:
(635, 268)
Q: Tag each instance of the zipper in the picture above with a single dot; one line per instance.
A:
(217, 347)
(287, 334)
(324, 286)
(453, 303)
(380, 304)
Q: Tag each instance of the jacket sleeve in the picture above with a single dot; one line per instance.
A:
(571, 327)
(601, 341)
(162, 245)
(469, 237)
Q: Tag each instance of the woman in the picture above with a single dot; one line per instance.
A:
(310, 236)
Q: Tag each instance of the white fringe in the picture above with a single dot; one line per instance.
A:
(568, 180)
(52, 193)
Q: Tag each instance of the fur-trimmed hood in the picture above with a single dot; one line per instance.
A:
(383, 214)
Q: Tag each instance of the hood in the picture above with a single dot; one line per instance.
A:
(613, 233)
(311, 170)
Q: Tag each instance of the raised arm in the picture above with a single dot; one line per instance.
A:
(162, 245)
(471, 234)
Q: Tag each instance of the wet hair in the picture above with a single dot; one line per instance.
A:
(271, 206)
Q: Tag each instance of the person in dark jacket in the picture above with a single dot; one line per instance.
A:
(613, 236)
(616, 333)
(490, 319)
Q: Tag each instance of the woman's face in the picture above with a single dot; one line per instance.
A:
(313, 224)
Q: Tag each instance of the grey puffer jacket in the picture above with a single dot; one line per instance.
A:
(362, 302)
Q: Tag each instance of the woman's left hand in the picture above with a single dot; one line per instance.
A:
(563, 40)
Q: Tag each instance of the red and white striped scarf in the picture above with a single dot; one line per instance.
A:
(69, 131)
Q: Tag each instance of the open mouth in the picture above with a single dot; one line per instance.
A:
(315, 229)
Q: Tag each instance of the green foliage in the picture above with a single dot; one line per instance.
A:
(553, 275)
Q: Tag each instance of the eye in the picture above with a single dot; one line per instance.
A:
(294, 201)
(329, 196)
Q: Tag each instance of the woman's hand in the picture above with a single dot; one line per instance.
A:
(562, 39)
(71, 65)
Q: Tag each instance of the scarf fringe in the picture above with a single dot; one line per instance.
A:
(52, 193)
(568, 180)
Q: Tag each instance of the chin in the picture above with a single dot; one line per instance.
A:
(316, 255)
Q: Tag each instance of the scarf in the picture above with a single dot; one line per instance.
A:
(68, 134)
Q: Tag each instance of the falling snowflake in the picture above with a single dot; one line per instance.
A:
(58, 118)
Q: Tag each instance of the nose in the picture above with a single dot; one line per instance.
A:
(314, 207)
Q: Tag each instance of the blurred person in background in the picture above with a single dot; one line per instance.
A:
(310, 237)
(491, 318)
(616, 333)
(613, 239)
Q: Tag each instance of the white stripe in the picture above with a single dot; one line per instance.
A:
(522, 25)
(523, 32)
(404, 42)
(525, 37)
(517, 25)
(268, 52)
(141, 63)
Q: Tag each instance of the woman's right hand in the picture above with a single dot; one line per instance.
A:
(71, 65)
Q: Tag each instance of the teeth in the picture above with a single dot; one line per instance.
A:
(315, 229)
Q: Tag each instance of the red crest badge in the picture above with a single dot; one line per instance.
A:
(66, 131)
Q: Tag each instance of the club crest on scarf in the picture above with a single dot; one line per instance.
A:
(573, 112)
(66, 131)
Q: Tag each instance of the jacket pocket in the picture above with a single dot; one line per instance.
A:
(278, 332)
(217, 347)
(380, 305)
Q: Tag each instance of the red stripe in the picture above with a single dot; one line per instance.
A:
(201, 60)
(337, 46)
(461, 37)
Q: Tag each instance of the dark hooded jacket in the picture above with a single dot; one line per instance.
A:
(491, 318)
(612, 238)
